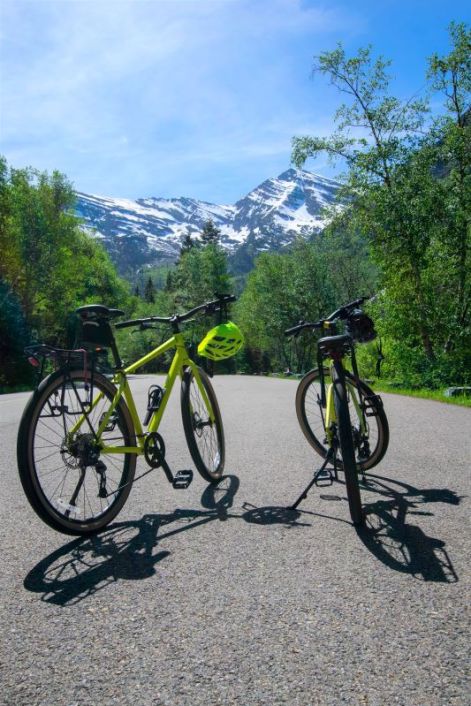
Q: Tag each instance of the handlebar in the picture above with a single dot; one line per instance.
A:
(295, 330)
(139, 322)
(208, 307)
(342, 313)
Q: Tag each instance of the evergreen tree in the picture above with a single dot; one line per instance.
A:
(149, 293)
(210, 235)
(169, 281)
(187, 244)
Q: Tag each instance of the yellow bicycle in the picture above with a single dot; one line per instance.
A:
(80, 434)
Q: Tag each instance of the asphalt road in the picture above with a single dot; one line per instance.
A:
(199, 597)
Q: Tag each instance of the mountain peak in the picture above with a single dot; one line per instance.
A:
(293, 174)
(301, 175)
(147, 230)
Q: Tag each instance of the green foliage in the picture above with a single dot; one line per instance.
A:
(49, 265)
(306, 283)
(200, 274)
(410, 199)
(134, 344)
(14, 336)
(157, 273)
(391, 125)
(451, 74)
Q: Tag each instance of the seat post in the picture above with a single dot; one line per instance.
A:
(116, 356)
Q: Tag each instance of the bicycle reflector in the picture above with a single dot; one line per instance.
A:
(221, 342)
(360, 327)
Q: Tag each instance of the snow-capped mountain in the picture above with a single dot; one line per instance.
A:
(150, 230)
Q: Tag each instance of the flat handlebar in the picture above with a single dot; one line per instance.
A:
(208, 308)
(342, 313)
(302, 325)
(345, 310)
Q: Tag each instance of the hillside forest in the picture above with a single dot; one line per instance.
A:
(403, 235)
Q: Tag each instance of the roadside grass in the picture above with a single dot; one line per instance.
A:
(5, 390)
(436, 395)
(393, 388)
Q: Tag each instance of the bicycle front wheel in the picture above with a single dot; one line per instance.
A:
(345, 439)
(71, 484)
(204, 436)
(370, 433)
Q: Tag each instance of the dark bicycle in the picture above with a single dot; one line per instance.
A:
(340, 415)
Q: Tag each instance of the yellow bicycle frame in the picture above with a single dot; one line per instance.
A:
(180, 361)
(330, 415)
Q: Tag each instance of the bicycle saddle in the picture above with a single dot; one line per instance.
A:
(92, 310)
(329, 343)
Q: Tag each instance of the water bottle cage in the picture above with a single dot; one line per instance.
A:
(154, 399)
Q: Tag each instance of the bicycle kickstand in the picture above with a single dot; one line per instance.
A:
(319, 476)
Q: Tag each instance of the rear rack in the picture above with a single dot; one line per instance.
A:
(47, 359)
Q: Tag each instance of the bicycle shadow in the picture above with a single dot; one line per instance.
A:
(402, 546)
(123, 551)
(128, 550)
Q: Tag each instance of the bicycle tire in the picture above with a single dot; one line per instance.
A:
(311, 419)
(347, 449)
(207, 450)
(40, 475)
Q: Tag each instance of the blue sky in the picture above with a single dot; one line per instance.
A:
(180, 98)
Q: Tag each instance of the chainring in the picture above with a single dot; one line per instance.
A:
(154, 449)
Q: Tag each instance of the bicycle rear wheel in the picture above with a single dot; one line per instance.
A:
(371, 438)
(69, 482)
(205, 438)
(347, 449)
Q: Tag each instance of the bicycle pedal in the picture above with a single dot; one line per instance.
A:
(372, 404)
(324, 478)
(182, 479)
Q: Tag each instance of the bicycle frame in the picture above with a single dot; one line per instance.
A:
(180, 361)
(327, 400)
(330, 415)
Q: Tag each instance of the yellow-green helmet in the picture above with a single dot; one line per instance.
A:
(221, 342)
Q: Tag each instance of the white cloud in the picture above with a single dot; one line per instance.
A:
(104, 83)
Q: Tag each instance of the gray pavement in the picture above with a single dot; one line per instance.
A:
(200, 597)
